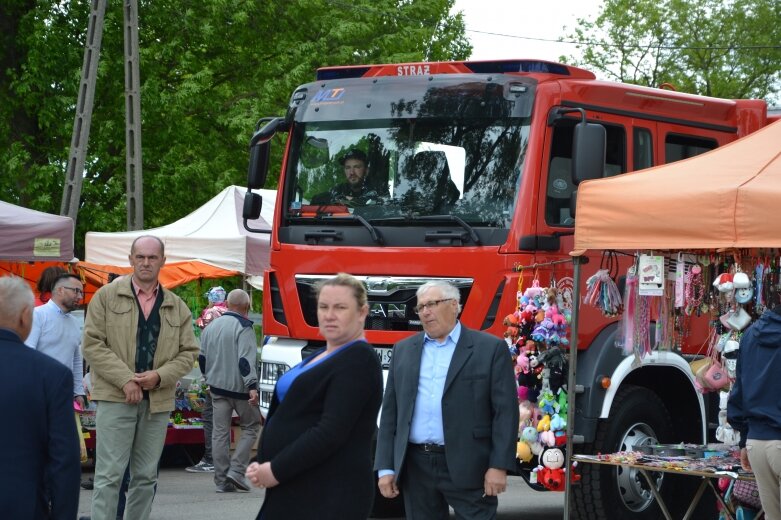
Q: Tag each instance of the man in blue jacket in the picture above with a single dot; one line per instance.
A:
(753, 407)
(40, 439)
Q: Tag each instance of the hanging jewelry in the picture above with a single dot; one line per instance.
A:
(695, 290)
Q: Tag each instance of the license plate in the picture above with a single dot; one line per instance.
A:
(384, 355)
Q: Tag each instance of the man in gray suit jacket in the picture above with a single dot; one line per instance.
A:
(449, 420)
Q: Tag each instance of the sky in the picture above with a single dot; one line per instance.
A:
(517, 26)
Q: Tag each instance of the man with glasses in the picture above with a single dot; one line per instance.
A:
(449, 420)
(57, 333)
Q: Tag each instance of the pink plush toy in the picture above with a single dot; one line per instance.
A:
(525, 411)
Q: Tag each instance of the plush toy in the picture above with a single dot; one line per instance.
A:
(557, 422)
(528, 378)
(529, 434)
(525, 412)
(544, 424)
(511, 333)
(548, 438)
(523, 393)
(557, 318)
(561, 438)
(523, 451)
(534, 291)
(563, 403)
(550, 473)
(547, 402)
(543, 331)
(521, 363)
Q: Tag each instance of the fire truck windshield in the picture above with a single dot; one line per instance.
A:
(387, 169)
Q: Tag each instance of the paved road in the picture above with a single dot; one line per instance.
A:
(189, 496)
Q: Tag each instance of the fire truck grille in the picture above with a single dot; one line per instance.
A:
(391, 300)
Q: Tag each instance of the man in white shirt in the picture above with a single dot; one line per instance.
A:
(56, 332)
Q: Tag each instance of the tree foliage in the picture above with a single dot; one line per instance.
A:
(209, 71)
(728, 49)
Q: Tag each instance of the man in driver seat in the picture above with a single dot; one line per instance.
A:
(353, 192)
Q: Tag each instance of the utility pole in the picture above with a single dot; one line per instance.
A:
(74, 173)
(85, 101)
(133, 170)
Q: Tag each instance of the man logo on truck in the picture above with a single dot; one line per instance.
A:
(387, 310)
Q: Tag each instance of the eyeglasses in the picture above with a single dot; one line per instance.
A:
(74, 289)
(429, 306)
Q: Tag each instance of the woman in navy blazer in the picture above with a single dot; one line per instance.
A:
(314, 457)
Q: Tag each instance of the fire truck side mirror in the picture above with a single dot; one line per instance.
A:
(252, 205)
(588, 152)
(260, 151)
(258, 164)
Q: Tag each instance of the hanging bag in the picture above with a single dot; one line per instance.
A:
(711, 375)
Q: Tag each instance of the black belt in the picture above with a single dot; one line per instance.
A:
(429, 447)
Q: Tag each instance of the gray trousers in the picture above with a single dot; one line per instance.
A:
(206, 418)
(249, 421)
(126, 432)
(765, 460)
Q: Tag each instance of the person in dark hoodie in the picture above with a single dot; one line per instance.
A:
(753, 407)
(228, 358)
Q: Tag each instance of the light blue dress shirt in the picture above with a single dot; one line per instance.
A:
(426, 426)
(58, 335)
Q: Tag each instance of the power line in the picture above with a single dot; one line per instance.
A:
(590, 43)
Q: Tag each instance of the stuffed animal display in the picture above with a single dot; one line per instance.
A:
(537, 336)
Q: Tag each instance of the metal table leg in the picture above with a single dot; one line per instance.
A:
(656, 494)
(727, 509)
(696, 499)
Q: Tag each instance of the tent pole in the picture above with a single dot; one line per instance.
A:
(571, 387)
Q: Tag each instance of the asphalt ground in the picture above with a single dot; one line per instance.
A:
(191, 496)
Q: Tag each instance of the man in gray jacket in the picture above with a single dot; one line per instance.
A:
(228, 359)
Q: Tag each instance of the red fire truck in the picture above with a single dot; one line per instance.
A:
(470, 175)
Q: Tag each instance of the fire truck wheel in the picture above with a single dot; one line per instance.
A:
(637, 418)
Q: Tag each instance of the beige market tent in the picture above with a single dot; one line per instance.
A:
(210, 242)
(727, 198)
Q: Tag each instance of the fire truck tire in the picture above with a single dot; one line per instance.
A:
(637, 417)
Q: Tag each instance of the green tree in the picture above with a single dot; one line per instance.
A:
(727, 49)
(209, 70)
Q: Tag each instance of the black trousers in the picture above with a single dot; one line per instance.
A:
(429, 490)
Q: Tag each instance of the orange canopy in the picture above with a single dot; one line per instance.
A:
(171, 275)
(95, 276)
(727, 198)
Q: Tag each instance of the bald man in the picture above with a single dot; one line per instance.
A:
(138, 340)
(40, 436)
(228, 359)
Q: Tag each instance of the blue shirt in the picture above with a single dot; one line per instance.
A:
(426, 426)
(287, 379)
(58, 335)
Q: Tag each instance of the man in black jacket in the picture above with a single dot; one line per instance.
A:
(449, 420)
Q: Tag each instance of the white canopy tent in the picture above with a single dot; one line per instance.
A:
(213, 234)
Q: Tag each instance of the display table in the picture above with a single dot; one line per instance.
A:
(175, 435)
(697, 468)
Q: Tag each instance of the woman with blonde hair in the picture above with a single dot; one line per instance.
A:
(314, 456)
